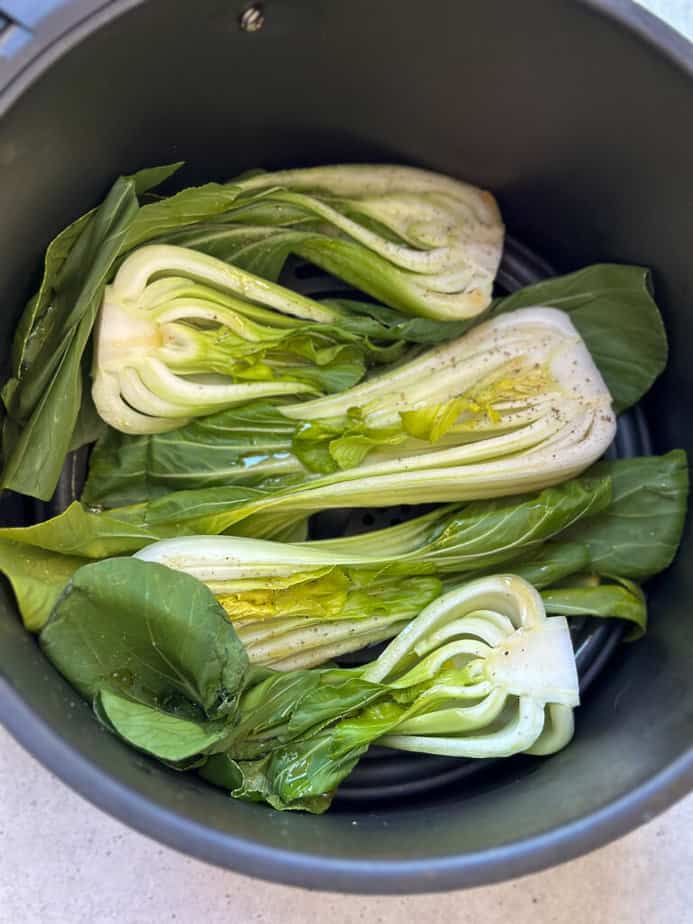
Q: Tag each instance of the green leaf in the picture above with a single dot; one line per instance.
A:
(614, 311)
(171, 738)
(151, 177)
(393, 325)
(56, 254)
(302, 776)
(622, 600)
(157, 635)
(308, 755)
(639, 534)
(485, 534)
(551, 563)
(241, 445)
(258, 248)
(78, 532)
(47, 401)
(38, 577)
(88, 426)
(184, 208)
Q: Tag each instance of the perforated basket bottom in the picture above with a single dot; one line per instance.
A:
(383, 774)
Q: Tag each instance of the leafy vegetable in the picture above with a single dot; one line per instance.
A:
(416, 240)
(592, 597)
(480, 672)
(610, 305)
(513, 405)
(243, 445)
(174, 739)
(642, 530)
(173, 315)
(299, 605)
(44, 394)
(547, 536)
(38, 577)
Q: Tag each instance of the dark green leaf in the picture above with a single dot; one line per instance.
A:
(184, 208)
(240, 445)
(485, 534)
(151, 177)
(553, 562)
(157, 635)
(639, 534)
(621, 600)
(303, 775)
(613, 309)
(89, 426)
(47, 401)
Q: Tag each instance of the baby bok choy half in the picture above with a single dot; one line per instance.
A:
(258, 445)
(181, 334)
(481, 672)
(582, 544)
(416, 240)
(514, 405)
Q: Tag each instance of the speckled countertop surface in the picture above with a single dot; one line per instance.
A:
(62, 861)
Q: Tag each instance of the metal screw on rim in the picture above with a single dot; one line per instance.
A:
(252, 19)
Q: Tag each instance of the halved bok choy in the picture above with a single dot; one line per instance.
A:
(481, 672)
(298, 606)
(419, 241)
(620, 522)
(181, 334)
(515, 405)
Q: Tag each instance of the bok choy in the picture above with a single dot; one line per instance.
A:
(514, 405)
(480, 672)
(255, 445)
(623, 518)
(416, 240)
(181, 334)
(299, 605)
(295, 606)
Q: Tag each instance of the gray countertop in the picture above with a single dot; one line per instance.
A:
(65, 862)
(62, 861)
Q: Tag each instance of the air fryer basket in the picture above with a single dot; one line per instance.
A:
(582, 128)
